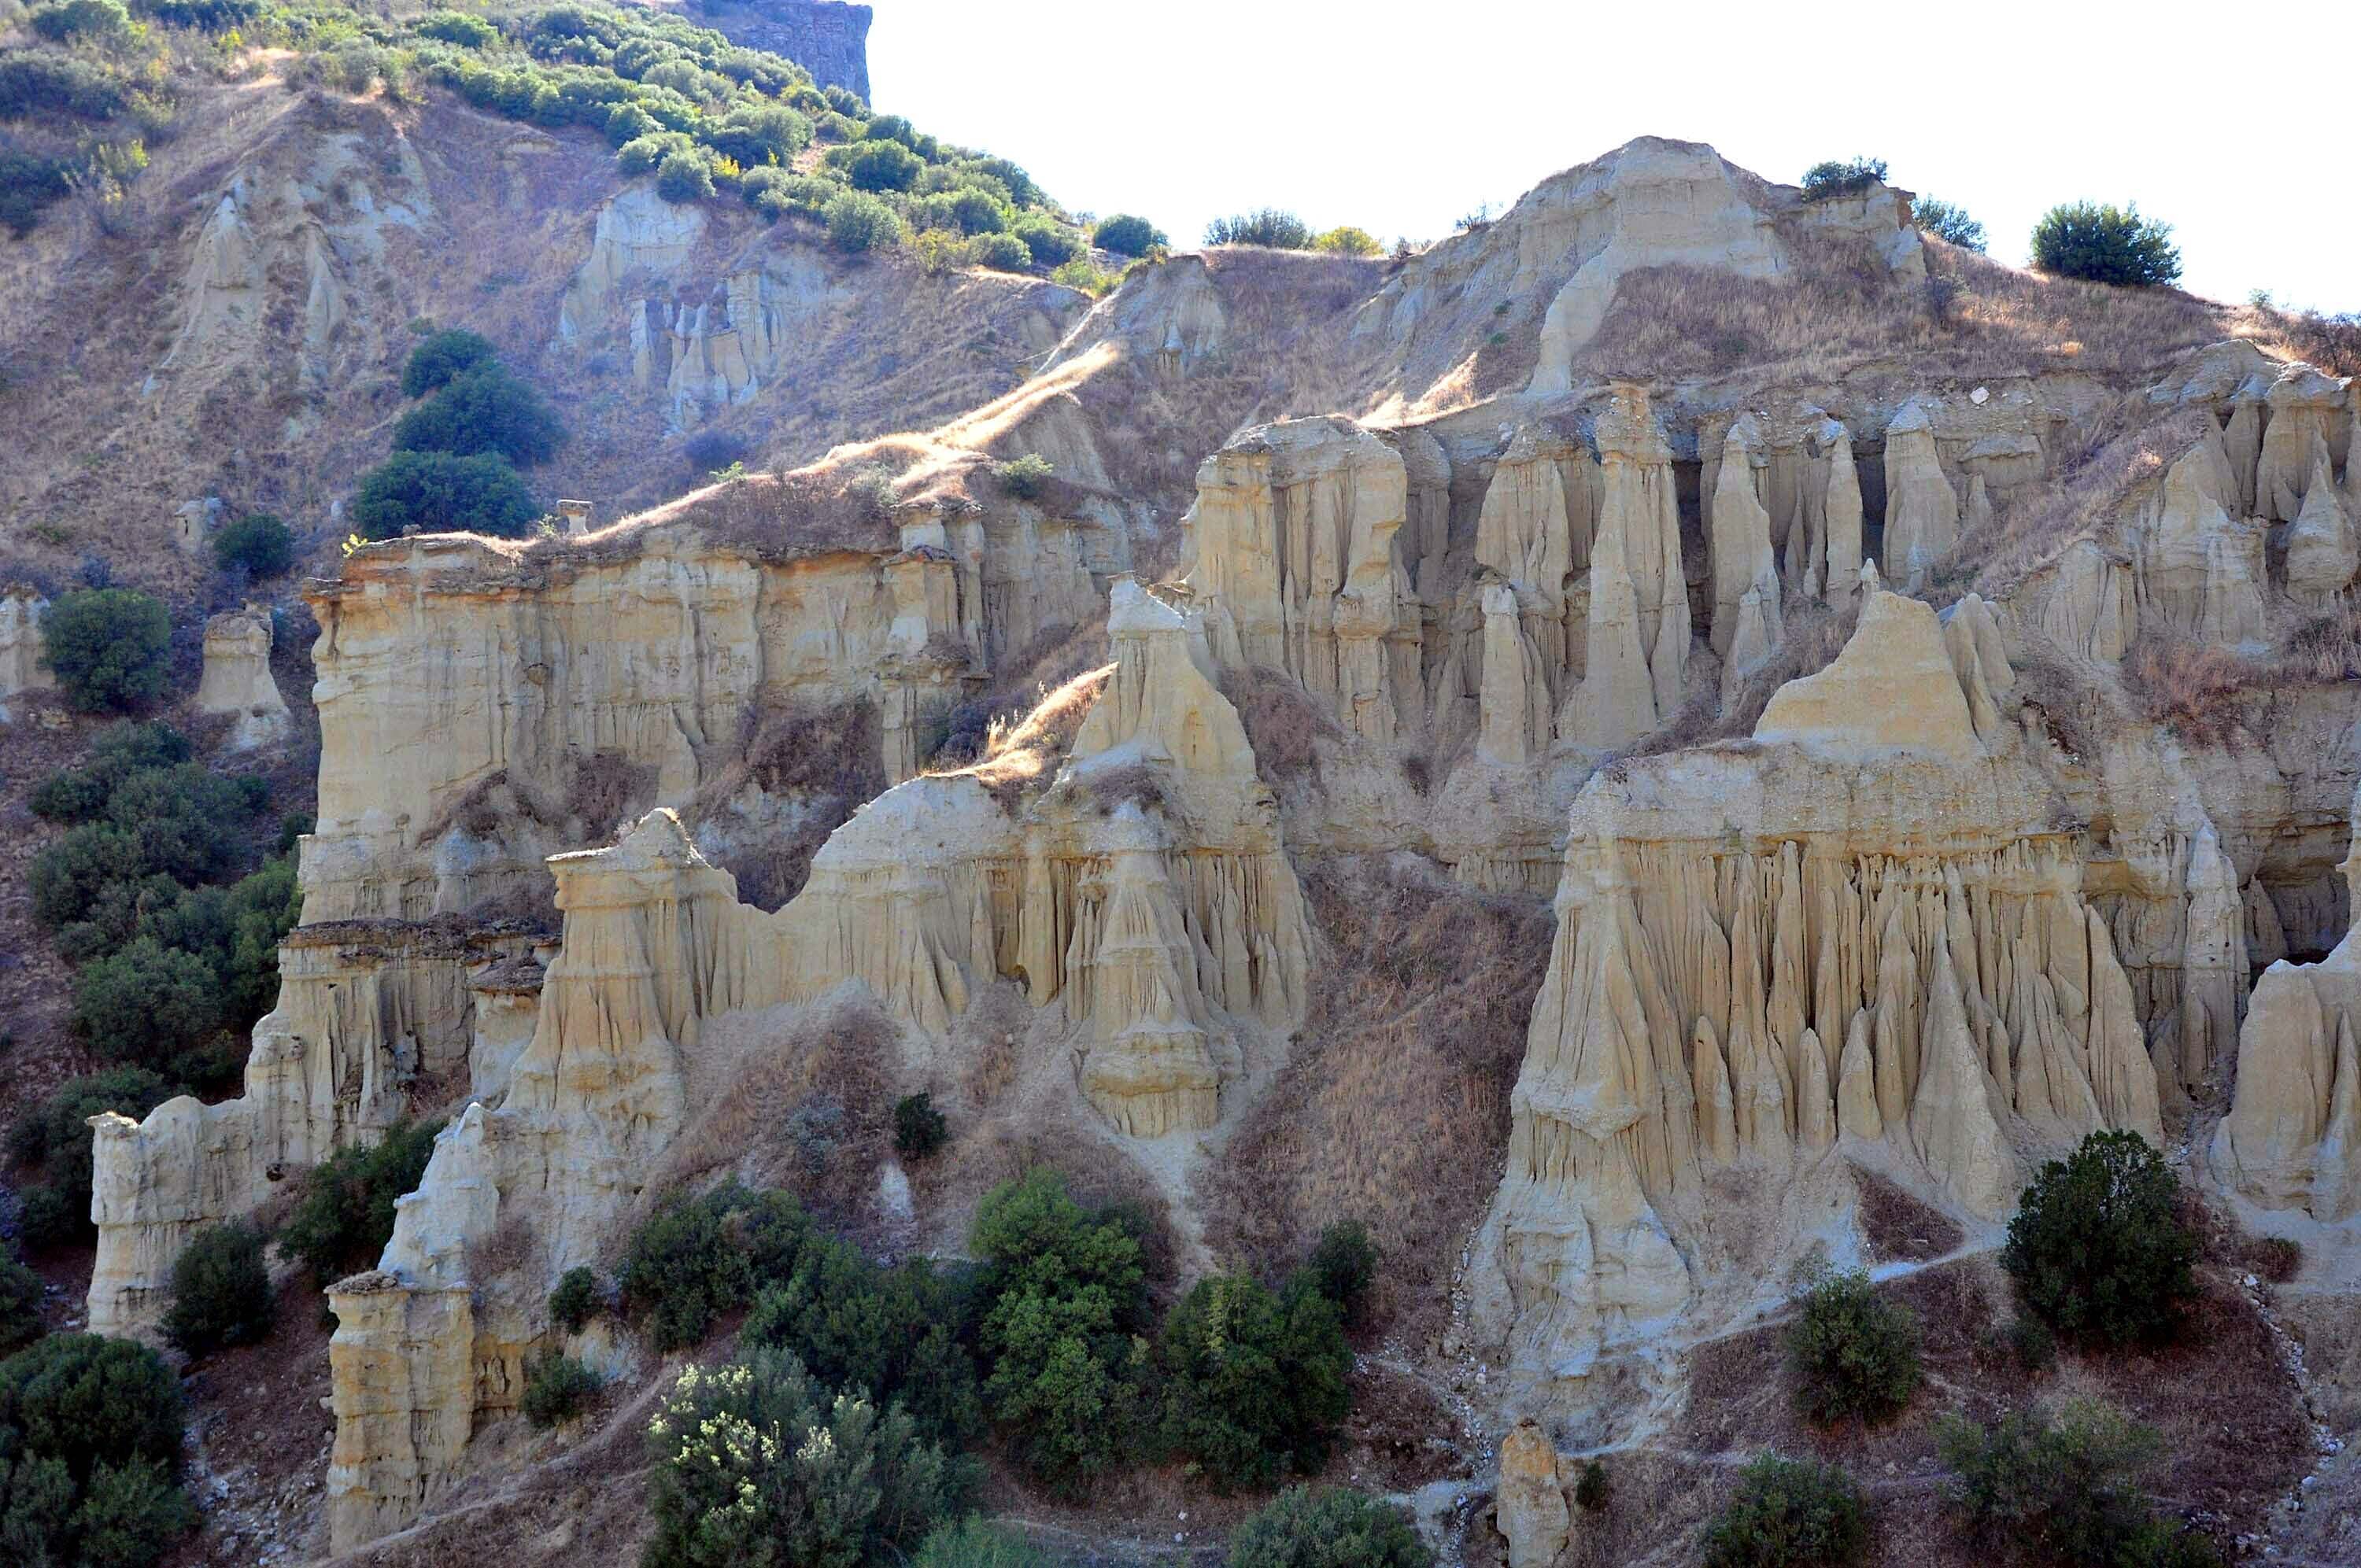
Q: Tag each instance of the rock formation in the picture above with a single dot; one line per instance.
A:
(1529, 1505)
(1922, 509)
(21, 669)
(237, 679)
(827, 38)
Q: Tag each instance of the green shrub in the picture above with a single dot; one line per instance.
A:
(207, 16)
(1252, 1384)
(1344, 1267)
(21, 1302)
(859, 223)
(1335, 1527)
(221, 1290)
(1347, 240)
(555, 1388)
(975, 211)
(35, 84)
(919, 1130)
(1065, 1292)
(88, 1401)
(130, 1517)
(1789, 1513)
(1591, 1490)
(755, 1463)
(2106, 244)
(1270, 227)
(2064, 1490)
(576, 1300)
(1949, 221)
(486, 409)
(972, 1544)
(63, 22)
(122, 749)
(1053, 244)
(31, 182)
(436, 492)
(68, 878)
(2097, 1247)
(891, 1335)
(1126, 235)
(457, 27)
(444, 356)
(1853, 1355)
(646, 154)
(107, 646)
(753, 137)
(698, 1255)
(345, 1216)
(260, 543)
(186, 821)
(1026, 476)
(1000, 252)
(878, 165)
(1848, 178)
(54, 1138)
(684, 177)
(148, 1005)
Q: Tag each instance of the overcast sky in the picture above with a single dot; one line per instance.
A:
(2232, 123)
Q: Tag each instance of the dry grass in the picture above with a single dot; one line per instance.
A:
(2073, 702)
(608, 789)
(1017, 755)
(1811, 637)
(1284, 722)
(1394, 1107)
(2096, 464)
(2196, 689)
(2328, 343)
(827, 755)
(1896, 1225)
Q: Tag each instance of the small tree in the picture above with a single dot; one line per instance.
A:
(2066, 1489)
(1347, 240)
(485, 410)
(1789, 1513)
(1272, 227)
(257, 542)
(1053, 244)
(130, 1516)
(858, 224)
(2106, 244)
(1336, 1528)
(107, 647)
(444, 356)
(1027, 477)
(576, 1300)
(1853, 1353)
(1948, 222)
(89, 1401)
(1344, 1267)
(149, 1004)
(684, 177)
(1126, 235)
(345, 1216)
(54, 1137)
(221, 1291)
(1000, 252)
(1591, 1488)
(437, 492)
(555, 1388)
(2097, 1247)
(919, 1130)
(879, 165)
(1252, 1383)
(21, 1302)
(701, 1255)
(1833, 178)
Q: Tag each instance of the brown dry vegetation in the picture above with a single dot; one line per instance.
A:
(825, 755)
(1393, 1108)
(1017, 755)
(1282, 720)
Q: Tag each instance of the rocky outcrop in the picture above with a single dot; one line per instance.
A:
(1922, 509)
(1755, 964)
(827, 38)
(21, 669)
(1635, 667)
(1529, 1506)
(2292, 1137)
(374, 1020)
(237, 679)
(2196, 568)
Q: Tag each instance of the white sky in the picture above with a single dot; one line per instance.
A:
(2232, 122)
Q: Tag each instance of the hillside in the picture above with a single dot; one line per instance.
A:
(1441, 833)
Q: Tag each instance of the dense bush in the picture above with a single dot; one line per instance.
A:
(1026, 476)
(221, 1290)
(257, 543)
(555, 1388)
(1000, 252)
(444, 356)
(1842, 178)
(701, 1255)
(89, 1450)
(1253, 1384)
(972, 1544)
(1065, 1291)
(67, 20)
(1853, 1355)
(53, 1137)
(36, 84)
(684, 177)
(919, 1130)
(576, 1300)
(1336, 1528)
(1272, 228)
(131, 1516)
(1051, 243)
(1344, 1267)
(2106, 244)
(484, 408)
(878, 165)
(457, 27)
(436, 492)
(345, 1216)
(1949, 221)
(2097, 1247)
(207, 16)
(1126, 235)
(757, 1463)
(1789, 1513)
(148, 1005)
(1347, 240)
(859, 223)
(30, 183)
(891, 1335)
(126, 747)
(21, 1302)
(107, 647)
(1591, 1489)
(2064, 1490)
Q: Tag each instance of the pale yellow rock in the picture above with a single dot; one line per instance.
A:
(21, 669)
(1635, 668)
(2198, 567)
(1815, 1118)
(403, 1386)
(1842, 512)
(1972, 636)
(2213, 970)
(2322, 553)
(1528, 1508)
(1857, 1113)
(1514, 699)
(237, 679)
(1892, 689)
(1922, 509)
(1742, 562)
(2308, 414)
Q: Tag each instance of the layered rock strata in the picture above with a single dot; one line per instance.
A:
(1863, 931)
(237, 679)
